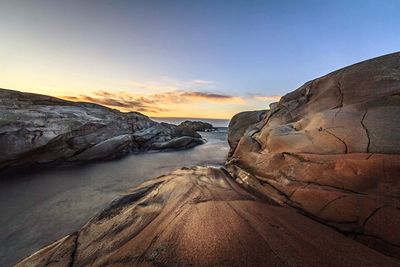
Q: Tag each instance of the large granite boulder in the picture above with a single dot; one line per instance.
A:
(330, 149)
(202, 217)
(37, 129)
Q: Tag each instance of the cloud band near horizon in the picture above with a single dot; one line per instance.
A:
(172, 103)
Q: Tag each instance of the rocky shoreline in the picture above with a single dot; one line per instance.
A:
(314, 181)
(37, 129)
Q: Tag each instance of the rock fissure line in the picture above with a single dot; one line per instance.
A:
(74, 249)
(340, 140)
(372, 214)
(330, 202)
(366, 130)
(339, 87)
(325, 186)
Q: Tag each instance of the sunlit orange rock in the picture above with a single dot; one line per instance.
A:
(330, 150)
(202, 217)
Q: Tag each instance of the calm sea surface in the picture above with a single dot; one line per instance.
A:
(40, 207)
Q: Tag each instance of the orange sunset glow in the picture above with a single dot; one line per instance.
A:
(166, 97)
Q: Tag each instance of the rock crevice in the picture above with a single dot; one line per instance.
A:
(366, 131)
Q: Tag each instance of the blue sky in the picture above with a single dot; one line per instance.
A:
(187, 58)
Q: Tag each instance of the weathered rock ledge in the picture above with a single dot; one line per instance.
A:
(37, 129)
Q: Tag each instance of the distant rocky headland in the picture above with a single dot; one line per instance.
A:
(198, 126)
(313, 181)
(38, 129)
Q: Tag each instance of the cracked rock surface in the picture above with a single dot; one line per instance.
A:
(202, 217)
(37, 129)
(330, 150)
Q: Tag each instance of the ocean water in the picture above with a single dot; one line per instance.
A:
(40, 207)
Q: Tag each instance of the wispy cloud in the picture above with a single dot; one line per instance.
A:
(153, 102)
(274, 98)
(166, 83)
(202, 82)
(117, 101)
(168, 95)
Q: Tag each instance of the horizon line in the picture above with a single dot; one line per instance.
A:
(189, 118)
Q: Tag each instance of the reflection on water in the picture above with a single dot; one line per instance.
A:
(41, 207)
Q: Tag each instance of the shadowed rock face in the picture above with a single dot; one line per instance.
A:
(330, 149)
(202, 217)
(37, 129)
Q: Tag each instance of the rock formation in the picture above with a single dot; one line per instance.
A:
(37, 129)
(199, 126)
(314, 181)
(202, 217)
(330, 150)
(241, 123)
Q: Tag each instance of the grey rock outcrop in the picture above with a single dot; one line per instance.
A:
(37, 129)
(199, 126)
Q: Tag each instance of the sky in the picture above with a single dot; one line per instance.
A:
(200, 59)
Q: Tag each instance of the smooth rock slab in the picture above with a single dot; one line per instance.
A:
(202, 217)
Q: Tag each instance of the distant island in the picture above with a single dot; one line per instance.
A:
(198, 126)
